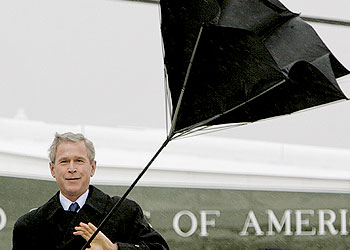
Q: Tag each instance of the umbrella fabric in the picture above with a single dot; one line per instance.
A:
(252, 60)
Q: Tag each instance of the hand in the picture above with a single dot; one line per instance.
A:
(100, 242)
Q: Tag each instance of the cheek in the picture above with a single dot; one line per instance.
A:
(59, 173)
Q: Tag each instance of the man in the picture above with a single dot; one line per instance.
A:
(70, 217)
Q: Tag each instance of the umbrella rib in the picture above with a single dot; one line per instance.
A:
(184, 84)
(321, 105)
(167, 97)
(167, 101)
(186, 133)
(142, 1)
(230, 110)
(207, 130)
(326, 20)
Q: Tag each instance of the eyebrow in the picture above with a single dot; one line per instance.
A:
(74, 158)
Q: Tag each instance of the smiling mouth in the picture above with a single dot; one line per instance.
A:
(72, 179)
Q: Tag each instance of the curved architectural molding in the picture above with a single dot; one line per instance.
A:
(200, 162)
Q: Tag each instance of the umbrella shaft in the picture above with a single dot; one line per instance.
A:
(126, 193)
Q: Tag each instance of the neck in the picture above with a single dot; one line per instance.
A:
(66, 200)
(73, 198)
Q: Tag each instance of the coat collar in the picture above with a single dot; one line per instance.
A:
(96, 200)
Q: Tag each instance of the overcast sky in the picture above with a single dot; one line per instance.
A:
(100, 62)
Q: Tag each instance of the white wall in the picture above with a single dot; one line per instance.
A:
(201, 162)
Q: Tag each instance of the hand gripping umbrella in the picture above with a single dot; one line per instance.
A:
(236, 62)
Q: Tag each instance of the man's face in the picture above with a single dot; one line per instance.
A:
(72, 169)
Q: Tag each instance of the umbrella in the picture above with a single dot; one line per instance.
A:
(241, 61)
(235, 61)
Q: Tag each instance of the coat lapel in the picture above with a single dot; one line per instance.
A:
(93, 211)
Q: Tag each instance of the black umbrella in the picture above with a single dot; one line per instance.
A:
(238, 61)
(241, 61)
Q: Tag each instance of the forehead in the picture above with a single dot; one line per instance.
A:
(71, 149)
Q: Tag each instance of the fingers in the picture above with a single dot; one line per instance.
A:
(85, 230)
(99, 242)
(91, 226)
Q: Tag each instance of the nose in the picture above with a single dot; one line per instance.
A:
(71, 167)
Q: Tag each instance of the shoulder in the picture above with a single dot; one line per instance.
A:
(130, 204)
(129, 209)
(127, 205)
(36, 216)
(100, 195)
(27, 219)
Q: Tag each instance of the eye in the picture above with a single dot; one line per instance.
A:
(64, 161)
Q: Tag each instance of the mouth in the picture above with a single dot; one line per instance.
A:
(72, 179)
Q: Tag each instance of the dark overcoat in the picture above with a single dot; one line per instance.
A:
(50, 227)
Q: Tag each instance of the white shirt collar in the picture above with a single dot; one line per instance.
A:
(66, 202)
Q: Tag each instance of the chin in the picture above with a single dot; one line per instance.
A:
(73, 191)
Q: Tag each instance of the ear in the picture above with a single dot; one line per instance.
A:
(93, 168)
(52, 169)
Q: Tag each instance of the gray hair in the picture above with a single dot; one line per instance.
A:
(70, 137)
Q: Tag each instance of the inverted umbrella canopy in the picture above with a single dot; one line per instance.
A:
(234, 61)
